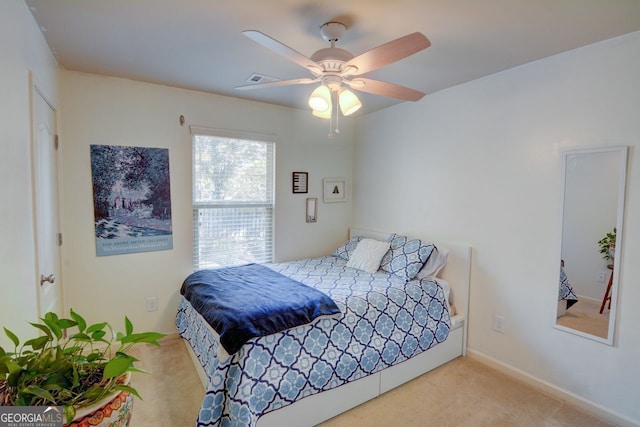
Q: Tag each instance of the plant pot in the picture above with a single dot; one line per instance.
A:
(112, 411)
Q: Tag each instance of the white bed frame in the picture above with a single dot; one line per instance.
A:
(319, 407)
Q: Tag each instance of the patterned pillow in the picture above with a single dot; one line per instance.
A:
(406, 256)
(347, 249)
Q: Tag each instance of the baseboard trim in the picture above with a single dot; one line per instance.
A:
(550, 389)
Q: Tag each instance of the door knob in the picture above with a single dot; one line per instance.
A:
(50, 278)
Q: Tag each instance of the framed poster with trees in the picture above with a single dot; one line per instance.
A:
(131, 199)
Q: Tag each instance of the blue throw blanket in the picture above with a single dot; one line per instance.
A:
(251, 301)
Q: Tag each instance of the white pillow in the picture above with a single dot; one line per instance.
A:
(367, 255)
(434, 264)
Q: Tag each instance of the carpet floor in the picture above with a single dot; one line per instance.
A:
(463, 392)
(585, 316)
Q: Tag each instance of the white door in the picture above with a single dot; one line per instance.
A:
(45, 162)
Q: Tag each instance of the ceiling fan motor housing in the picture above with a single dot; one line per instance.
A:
(332, 31)
(331, 58)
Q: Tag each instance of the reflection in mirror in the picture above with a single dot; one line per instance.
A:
(592, 210)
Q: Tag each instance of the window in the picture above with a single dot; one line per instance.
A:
(233, 200)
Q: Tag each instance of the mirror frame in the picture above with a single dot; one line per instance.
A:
(622, 180)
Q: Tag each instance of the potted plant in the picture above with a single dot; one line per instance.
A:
(72, 365)
(608, 245)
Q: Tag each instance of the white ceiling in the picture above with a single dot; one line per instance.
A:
(198, 44)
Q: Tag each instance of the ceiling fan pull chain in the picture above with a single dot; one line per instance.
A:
(331, 121)
(337, 112)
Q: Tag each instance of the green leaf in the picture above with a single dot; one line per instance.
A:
(69, 414)
(129, 389)
(4, 369)
(38, 343)
(128, 326)
(98, 335)
(43, 328)
(46, 358)
(52, 323)
(81, 337)
(38, 391)
(12, 337)
(96, 327)
(51, 316)
(55, 380)
(71, 350)
(130, 357)
(95, 392)
(142, 371)
(66, 323)
(13, 366)
(94, 356)
(148, 337)
(79, 320)
(116, 367)
(76, 377)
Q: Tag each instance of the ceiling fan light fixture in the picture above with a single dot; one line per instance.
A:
(320, 99)
(349, 102)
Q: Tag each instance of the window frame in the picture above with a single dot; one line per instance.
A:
(228, 134)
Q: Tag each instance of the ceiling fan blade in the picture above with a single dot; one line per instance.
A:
(390, 90)
(278, 83)
(277, 47)
(388, 53)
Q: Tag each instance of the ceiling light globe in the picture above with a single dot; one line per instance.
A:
(320, 99)
(322, 114)
(349, 102)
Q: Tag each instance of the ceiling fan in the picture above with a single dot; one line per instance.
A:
(336, 68)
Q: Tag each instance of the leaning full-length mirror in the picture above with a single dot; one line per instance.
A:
(593, 188)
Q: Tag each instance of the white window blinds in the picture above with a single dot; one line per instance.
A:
(233, 201)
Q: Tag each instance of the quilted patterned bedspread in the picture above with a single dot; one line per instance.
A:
(566, 291)
(384, 321)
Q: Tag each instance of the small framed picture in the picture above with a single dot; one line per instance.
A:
(334, 190)
(300, 182)
(312, 210)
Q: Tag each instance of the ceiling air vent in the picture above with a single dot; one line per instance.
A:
(259, 78)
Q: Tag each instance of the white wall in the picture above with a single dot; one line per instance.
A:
(111, 111)
(22, 51)
(480, 163)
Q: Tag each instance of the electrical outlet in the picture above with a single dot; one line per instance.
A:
(152, 304)
(602, 276)
(498, 323)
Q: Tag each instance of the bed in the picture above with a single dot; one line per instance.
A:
(566, 295)
(310, 373)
